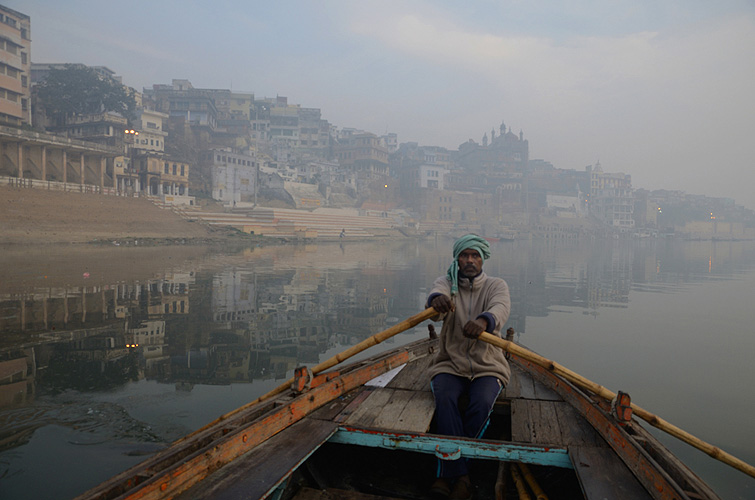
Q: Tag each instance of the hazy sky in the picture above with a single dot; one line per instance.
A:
(661, 90)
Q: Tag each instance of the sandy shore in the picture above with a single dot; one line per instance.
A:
(38, 216)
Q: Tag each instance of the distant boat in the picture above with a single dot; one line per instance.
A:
(491, 239)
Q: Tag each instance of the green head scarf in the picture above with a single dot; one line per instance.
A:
(469, 241)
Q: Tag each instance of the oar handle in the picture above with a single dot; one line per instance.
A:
(601, 391)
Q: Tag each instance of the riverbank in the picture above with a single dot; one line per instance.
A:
(38, 216)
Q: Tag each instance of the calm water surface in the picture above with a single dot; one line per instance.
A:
(669, 322)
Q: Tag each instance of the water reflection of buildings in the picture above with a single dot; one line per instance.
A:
(291, 317)
(259, 319)
(61, 309)
(568, 274)
(17, 375)
(85, 337)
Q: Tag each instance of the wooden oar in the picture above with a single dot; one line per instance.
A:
(329, 363)
(601, 391)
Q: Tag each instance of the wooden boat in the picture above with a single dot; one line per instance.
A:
(365, 431)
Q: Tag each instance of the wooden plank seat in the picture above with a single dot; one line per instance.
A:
(405, 403)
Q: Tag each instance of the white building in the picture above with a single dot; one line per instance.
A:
(234, 176)
(612, 198)
(431, 176)
(569, 205)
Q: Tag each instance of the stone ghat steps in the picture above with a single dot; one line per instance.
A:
(286, 222)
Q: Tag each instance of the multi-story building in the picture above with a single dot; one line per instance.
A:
(300, 130)
(15, 67)
(103, 128)
(234, 175)
(611, 198)
(163, 177)
(314, 132)
(391, 141)
(365, 153)
(181, 100)
(150, 126)
(284, 125)
(423, 176)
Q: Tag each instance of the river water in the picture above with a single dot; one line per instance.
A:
(108, 354)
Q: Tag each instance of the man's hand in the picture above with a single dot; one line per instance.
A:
(474, 328)
(442, 304)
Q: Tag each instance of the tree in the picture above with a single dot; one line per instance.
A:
(78, 90)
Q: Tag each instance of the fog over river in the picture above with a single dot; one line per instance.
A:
(109, 354)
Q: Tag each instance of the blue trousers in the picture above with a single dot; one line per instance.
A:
(447, 389)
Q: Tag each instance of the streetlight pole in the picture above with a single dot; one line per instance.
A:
(385, 200)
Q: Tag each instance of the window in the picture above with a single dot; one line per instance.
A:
(182, 169)
(167, 168)
(175, 169)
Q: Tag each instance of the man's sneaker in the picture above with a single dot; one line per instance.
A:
(441, 488)
(462, 489)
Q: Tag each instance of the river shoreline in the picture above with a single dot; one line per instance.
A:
(33, 217)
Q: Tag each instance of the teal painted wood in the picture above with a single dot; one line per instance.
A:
(452, 448)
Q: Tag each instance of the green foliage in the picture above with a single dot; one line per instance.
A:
(80, 90)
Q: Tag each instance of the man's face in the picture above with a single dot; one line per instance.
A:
(470, 263)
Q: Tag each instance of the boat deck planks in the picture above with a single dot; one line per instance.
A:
(413, 376)
(536, 422)
(271, 462)
(394, 409)
(523, 386)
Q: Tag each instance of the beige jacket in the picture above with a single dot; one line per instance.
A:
(487, 297)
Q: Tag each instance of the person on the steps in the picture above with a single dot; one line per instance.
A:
(469, 302)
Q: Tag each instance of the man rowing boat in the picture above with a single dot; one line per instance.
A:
(468, 302)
